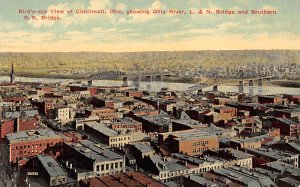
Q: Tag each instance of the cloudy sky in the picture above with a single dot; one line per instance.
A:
(77, 32)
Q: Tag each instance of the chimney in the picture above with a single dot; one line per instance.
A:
(18, 124)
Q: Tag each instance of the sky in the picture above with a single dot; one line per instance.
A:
(128, 33)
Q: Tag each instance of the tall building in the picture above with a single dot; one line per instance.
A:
(12, 74)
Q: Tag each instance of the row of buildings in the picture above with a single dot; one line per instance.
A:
(78, 134)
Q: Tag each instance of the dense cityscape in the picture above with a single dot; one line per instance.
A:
(76, 133)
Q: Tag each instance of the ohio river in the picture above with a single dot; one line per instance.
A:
(156, 86)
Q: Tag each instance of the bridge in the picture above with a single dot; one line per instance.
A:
(158, 77)
(217, 81)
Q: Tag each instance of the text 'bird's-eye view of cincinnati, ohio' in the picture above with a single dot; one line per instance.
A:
(149, 93)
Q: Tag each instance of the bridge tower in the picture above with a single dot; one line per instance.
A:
(251, 83)
(159, 78)
(241, 86)
(125, 81)
(149, 78)
(260, 82)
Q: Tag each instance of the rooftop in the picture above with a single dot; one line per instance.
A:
(201, 180)
(161, 119)
(127, 179)
(196, 160)
(103, 128)
(93, 151)
(32, 135)
(247, 177)
(51, 166)
(190, 134)
(142, 147)
(168, 164)
(284, 167)
(271, 153)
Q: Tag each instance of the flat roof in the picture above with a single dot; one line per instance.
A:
(201, 180)
(160, 119)
(196, 160)
(32, 135)
(103, 128)
(127, 179)
(282, 166)
(244, 176)
(271, 153)
(190, 134)
(142, 147)
(51, 166)
(167, 165)
(93, 151)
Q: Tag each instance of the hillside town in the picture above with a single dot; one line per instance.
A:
(77, 134)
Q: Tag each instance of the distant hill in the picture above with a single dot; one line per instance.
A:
(41, 63)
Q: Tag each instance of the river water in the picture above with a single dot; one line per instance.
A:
(156, 86)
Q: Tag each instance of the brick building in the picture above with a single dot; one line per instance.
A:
(92, 90)
(190, 142)
(21, 123)
(265, 155)
(107, 135)
(89, 160)
(287, 127)
(102, 113)
(45, 107)
(156, 123)
(291, 114)
(126, 124)
(26, 123)
(102, 102)
(30, 143)
(134, 93)
(127, 179)
(269, 99)
(14, 98)
(7, 126)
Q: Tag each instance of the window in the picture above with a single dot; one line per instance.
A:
(102, 167)
(116, 165)
(121, 164)
(97, 168)
(107, 166)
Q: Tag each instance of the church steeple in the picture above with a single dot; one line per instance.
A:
(12, 74)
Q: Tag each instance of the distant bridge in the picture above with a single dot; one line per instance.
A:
(216, 81)
(158, 77)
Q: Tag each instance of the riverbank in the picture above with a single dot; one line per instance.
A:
(280, 83)
(230, 82)
(80, 76)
